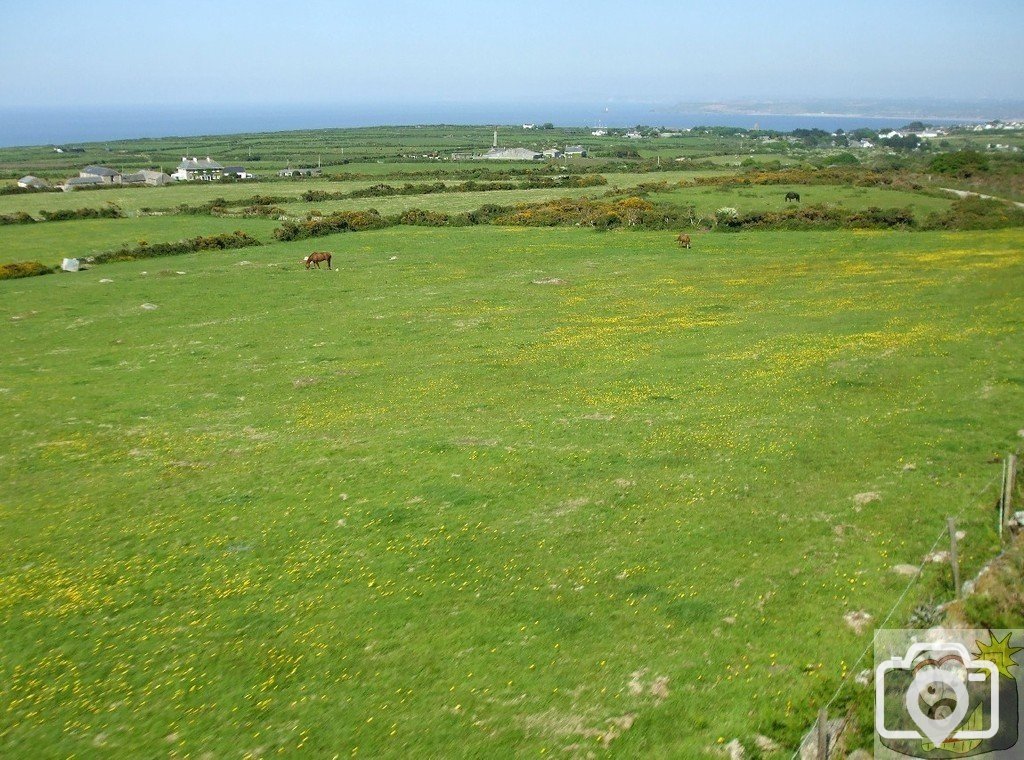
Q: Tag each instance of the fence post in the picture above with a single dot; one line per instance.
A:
(953, 560)
(822, 734)
(1003, 519)
(1008, 485)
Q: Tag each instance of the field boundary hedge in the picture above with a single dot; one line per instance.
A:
(20, 269)
(222, 242)
(63, 215)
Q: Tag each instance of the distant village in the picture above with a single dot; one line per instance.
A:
(195, 169)
(189, 170)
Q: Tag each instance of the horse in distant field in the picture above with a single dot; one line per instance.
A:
(791, 196)
(316, 257)
(683, 240)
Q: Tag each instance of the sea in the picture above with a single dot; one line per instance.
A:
(62, 125)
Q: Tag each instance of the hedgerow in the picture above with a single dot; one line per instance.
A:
(66, 214)
(19, 217)
(143, 250)
(818, 217)
(23, 269)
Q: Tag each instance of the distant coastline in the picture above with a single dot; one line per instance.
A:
(71, 125)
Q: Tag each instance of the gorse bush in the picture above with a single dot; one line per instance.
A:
(831, 175)
(342, 221)
(23, 269)
(816, 217)
(580, 212)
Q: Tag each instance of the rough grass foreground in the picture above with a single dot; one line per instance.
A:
(486, 492)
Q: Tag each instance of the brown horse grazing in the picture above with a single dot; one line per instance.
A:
(683, 240)
(316, 257)
(791, 196)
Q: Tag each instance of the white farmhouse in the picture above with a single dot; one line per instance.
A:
(205, 169)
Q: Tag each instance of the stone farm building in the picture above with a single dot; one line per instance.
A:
(106, 175)
(33, 182)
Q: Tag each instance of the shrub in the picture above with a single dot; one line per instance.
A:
(341, 221)
(817, 217)
(263, 210)
(420, 218)
(963, 163)
(974, 213)
(23, 269)
(19, 217)
(224, 241)
(106, 212)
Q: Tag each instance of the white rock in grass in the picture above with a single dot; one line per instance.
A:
(858, 620)
(734, 750)
(866, 498)
(150, 306)
(905, 570)
(766, 744)
(106, 279)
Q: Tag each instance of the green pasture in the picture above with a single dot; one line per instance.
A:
(485, 492)
(48, 242)
(773, 197)
(131, 199)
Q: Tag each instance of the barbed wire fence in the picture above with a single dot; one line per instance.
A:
(824, 739)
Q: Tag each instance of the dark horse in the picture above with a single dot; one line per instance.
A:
(791, 196)
(316, 257)
(683, 240)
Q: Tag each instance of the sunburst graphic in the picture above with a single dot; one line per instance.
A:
(999, 653)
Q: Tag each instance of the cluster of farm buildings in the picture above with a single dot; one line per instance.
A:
(521, 154)
(189, 170)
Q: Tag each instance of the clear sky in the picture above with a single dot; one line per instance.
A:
(74, 52)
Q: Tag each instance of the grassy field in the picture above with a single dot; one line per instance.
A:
(131, 199)
(435, 503)
(50, 241)
(756, 198)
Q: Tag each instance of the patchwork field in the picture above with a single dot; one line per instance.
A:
(484, 491)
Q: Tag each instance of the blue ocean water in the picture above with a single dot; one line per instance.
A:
(60, 125)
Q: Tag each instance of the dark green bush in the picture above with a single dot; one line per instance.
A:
(62, 215)
(973, 213)
(962, 163)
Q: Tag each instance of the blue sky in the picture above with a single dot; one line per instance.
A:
(231, 52)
